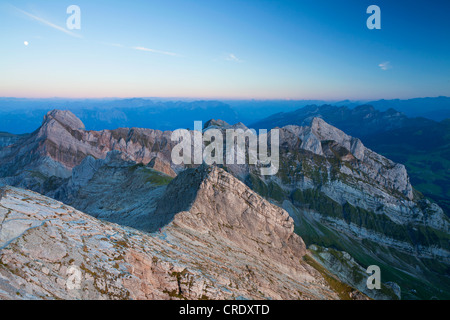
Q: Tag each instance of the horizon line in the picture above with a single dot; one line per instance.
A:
(217, 98)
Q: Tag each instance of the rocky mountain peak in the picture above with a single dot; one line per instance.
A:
(325, 140)
(222, 125)
(216, 123)
(209, 199)
(325, 131)
(316, 132)
(65, 118)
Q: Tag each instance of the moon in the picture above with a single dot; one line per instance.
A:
(25, 43)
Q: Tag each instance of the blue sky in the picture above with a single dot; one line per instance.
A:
(225, 49)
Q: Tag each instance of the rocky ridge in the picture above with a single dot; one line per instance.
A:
(212, 199)
(41, 239)
(329, 183)
(61, 143)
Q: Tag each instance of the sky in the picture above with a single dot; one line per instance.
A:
(229, 49)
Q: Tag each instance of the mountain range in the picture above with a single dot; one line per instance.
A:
(24, 116)
(21, 116)
(350, 206)
(437, 108)
(421, 144)
(220, 241)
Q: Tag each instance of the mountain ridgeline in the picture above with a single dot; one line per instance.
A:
(422, 145)
(331, 193)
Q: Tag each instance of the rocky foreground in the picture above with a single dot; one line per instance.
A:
(224, 242)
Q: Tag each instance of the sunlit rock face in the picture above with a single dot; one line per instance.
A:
(61, 143)
(247, 250)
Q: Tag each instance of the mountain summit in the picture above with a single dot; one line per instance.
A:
(211, 199)
(63, 117)
(62, 143)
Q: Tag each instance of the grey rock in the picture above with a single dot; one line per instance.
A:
(181, 262)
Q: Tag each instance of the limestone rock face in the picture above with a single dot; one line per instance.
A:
(216, 123)
(62, 143)
(317, 137)
(316, 155)
(42, 241)
(348, 172)
(162, 166)
(51, 251)
(64, 118)
(211, 199)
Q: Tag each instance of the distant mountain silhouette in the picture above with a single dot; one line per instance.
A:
(433, 108)
(360, 121)
(107, 114)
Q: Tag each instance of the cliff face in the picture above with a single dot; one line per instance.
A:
(322, 157)
(344, 195)
(329, 142)
(246, 250)
(212, 199)
(42, 241)
(61, 143)
(332, 178)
